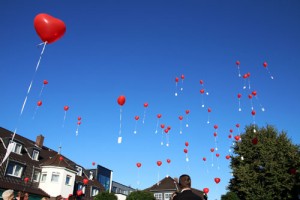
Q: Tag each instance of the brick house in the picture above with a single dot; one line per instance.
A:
(164, 189)
(41, 171)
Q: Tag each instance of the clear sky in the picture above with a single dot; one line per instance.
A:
(137, 49)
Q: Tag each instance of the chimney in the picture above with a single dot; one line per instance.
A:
(40, 141)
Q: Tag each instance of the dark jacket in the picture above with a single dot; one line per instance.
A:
(187, 195)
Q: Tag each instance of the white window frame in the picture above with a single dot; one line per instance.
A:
(68, 180)
(17, 169)
(158, 196)
(55, 177)
(36, 176)
(167, 196)
(94, 191)
(17, 148)
(43, 177)
(35, 155)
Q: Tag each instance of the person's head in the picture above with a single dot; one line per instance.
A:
(26, 196)
(45, 198)
(59, 197)
(185, 181)
(8, 195)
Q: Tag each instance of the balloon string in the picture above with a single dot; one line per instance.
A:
(135, 127)
(162, 137)
(270, 73)
(252, 108)
(41, 91)
(261, 107)
(63, 125)
(187, 122)
(120, 130)
(180, 127)
(239, 71)
(156, 126)
(144, 116)
(167, 139)
(202, 100)
(240, 109)
(35, 112)
(29, 88)
(181, 85)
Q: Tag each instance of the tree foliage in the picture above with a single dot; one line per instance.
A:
(230, 196)
(265, 165)
(140, 195)
(106, 196)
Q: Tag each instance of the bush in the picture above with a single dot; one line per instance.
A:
(106, 196)
(140, 195)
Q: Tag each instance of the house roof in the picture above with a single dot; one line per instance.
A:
(167, 183)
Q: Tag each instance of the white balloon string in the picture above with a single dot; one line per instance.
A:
(63, 125)
(156, 126)
(41, 90)
(135, 127)
(180, 127)
(167, 140)
(176, 89)
(144, 115)
(212, 159)
(36, 108)
(162, 137)
(120, 130)
(77, 130)
(269, 73)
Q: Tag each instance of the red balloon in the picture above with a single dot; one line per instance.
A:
(166, 130)
(145, 105)
(245, 76)
(239, 95)
(254, 93)
(205, 190)
(159, 163)
(168, 160)
(215, 134)
(253, 112)
(209, 110)
(85, 181)
(79, 192)
(136, 117)
(186, 144)
(237, 62)
(176, 79)
(61, 158)
(228, 157)
(162, 126)
(237, 137)
(230, 130)
(201, 82)
(79, 118)
(79, 122)
(217, 154)
(121, 100)
(180, 117)
(250, 96)
(265, 64)
(39, 103)
(169, 127)
(204, 159)
(212, 150)
(217, 180)
(202, 91)
(187, 112)
(26, 180)
(49, 28)
(93, 163)
(185, 150)
(138, 164)
(182, 76)
(229, 136)
(158, 116)
(45, 82)
(254, 141)
(66, 108)
(237, 125)
(216, 126)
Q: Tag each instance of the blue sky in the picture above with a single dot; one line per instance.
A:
(137, 49)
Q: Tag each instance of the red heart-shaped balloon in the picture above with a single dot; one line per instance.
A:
(49, 28)
(217, 180)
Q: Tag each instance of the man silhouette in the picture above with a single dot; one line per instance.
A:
(185, 193)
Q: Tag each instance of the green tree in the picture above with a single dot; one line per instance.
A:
(106, 196)
(230, 196)
(140, 195)
(264, 165)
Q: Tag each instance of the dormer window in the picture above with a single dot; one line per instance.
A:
(79, 170)
(35, 155)
(17, 148)
(94, 191)
(15, 169)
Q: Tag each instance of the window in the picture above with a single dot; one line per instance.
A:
(158, 196)
(44, 176)
(35, 155)
(55, 177)
(17, 148)
(81, 187)
(79, 171)
(105, 181)
(36, 176)
(95, 191)
(68, 180)
(15, 169)
(167, 196)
